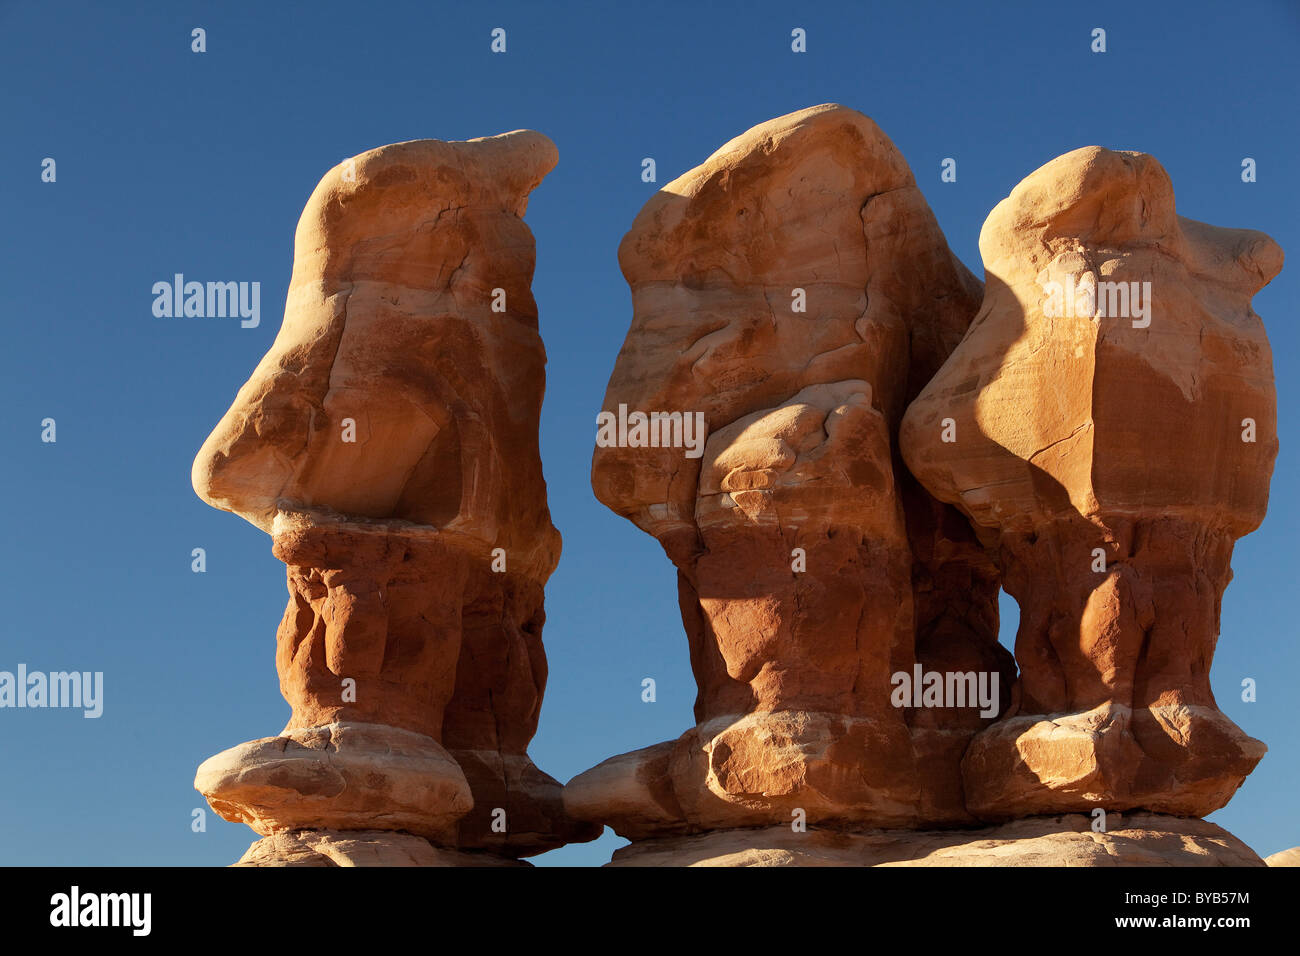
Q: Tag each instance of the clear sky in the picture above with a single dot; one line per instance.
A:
(171, 161)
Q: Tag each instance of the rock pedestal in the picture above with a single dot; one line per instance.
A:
(1110, 420)
(792, 294)
(388, 443)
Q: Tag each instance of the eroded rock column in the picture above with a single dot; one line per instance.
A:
(790, 295)
(388, 443)
(1109, 421)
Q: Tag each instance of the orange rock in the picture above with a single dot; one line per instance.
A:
(1109, 422)
(388, 443)
(794, 292)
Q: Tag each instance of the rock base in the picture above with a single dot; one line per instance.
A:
(360, 848)
(343, 775)
(1067, 840)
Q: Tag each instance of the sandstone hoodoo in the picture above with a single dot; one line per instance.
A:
(1094, 436)
(796, 291)
(1109, 423)
(388, 444)
(844, 443)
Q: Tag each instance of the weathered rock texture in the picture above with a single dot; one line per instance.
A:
(1104, 468)
(388, 443)
(324, 848)
(811, 567)
(1144, 839)
(1112, 456)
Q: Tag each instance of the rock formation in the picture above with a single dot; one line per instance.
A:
(1289, 857)
(1144, 839)
(792, 294)
(1110, 423)
(844, 444)
(792, 297)
(388, 444)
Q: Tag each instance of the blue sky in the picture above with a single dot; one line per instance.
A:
(170, 161)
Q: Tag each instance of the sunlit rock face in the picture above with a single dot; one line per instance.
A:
(388, 443)
(1110, 423)
(794, 292)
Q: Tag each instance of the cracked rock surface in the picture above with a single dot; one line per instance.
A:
(1112, 453)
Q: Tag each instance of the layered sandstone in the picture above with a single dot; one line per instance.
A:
(794, 292)
(388, 444)
(1139, 840)
(1108, 423)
